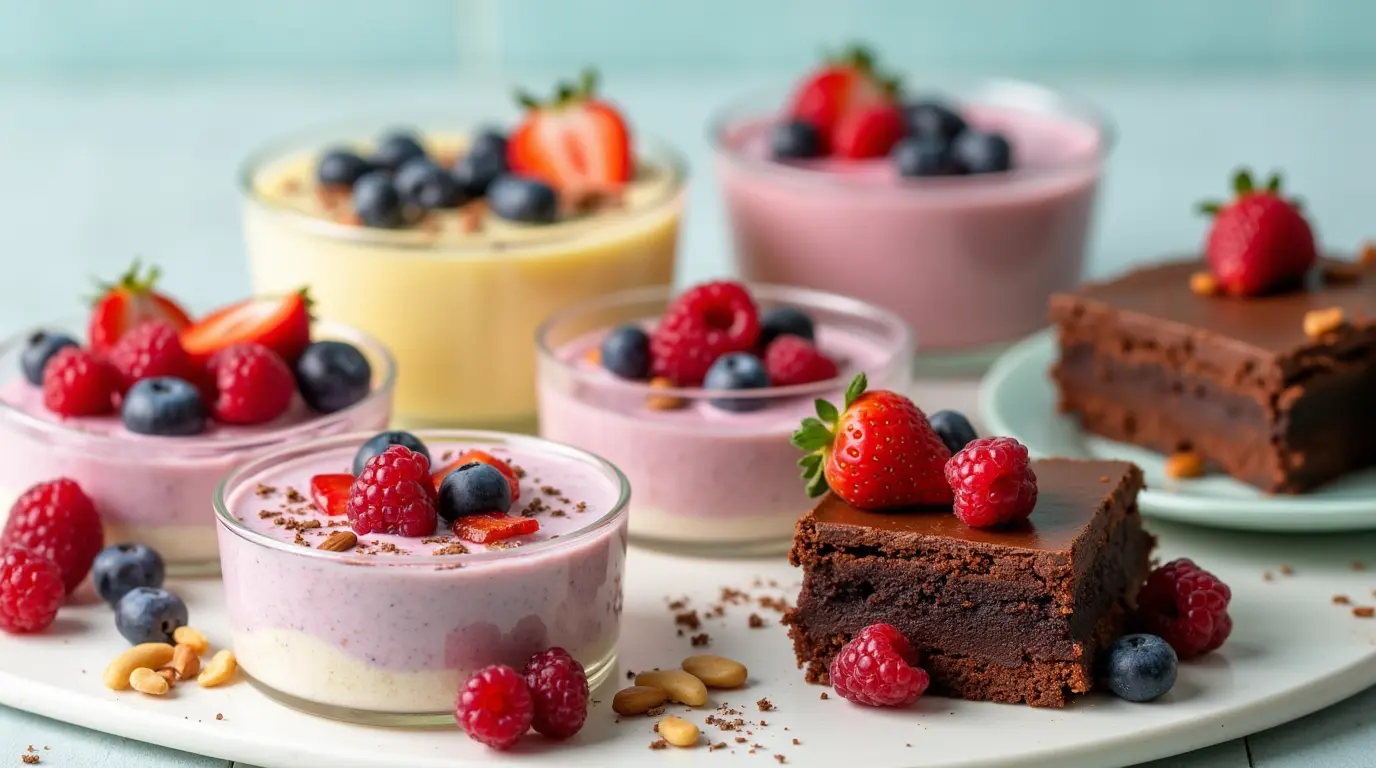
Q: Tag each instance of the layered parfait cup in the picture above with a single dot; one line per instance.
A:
(968, 261)
(385, 632)
(457, 303)
(153, 489)
(708, 481)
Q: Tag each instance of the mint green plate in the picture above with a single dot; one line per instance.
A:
(1018, 399)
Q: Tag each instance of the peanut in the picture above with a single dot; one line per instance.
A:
(716, 671)
(1321, 322)
(147, 655)
(637, 700)
(1203, 284)
(219, 670)
(189, 636)
(678, 731)
(145, 680)
(681, 686)
(663, 402)
(185, 662)
(1183, 465)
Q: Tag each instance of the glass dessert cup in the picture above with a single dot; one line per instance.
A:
(153, 489)
(708, 481)
(444, 299)
(968, 261)
(387, 639)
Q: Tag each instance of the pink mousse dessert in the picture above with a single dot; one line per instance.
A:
(961, 214)
(382, 627)
(150, 449)
(709, 454)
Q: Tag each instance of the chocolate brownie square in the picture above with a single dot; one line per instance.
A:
(1010, 615)
(1238, 381)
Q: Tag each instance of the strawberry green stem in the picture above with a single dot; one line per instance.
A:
(817, 435)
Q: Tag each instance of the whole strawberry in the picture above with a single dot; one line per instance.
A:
(879, 452)
(58, 521)
(853, 107)
(1259, 242)
(129, 302)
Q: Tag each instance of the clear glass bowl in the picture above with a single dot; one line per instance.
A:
(456, 309)
(968, 261)
(154, 489)
(387, 640)
(707, 480)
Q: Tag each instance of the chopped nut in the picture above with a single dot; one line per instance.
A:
(1320, 322)
(1342, 600)
(169, 674)
(185, 662)
(145, 680)
(1203, 284)
(1184, 464)
(1364, 611)
(191, 637)
(663, 402)
(339, 541)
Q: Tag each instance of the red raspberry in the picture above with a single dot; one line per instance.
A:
(252, 383)
(1187, 607)
(77, 382)
(150, 350)
(57, 520)
(495, 706)
(559, 687)
(703, 323)
(30, 590)
(992, 481)
(878, 669)
(394, 494)
(793, 359)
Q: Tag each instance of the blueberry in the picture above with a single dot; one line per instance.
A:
(122, 568)
(738, 370)
(340, 167)
(914, 157)
(953, 429)
(149, 615)
(41, 347)
(475, 172)
(377, 201)
(333, 375)
(489, 142)
(982, 152)
(517, 198)
(933, 120)
(472, 489)
(165, 406)
(1141, 667)
(794, 140)
(427, 186)
(777, 321)
(626, 353)
(381, 442)
(395, 149)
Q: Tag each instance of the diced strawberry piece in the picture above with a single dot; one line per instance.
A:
(576, 142)
(494, 526)
(331, 492)
(482, 457)
(282, 324)
(128, 303)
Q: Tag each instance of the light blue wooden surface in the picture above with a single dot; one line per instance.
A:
(93, 172)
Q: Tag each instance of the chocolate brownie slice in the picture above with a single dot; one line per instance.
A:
(1010, 615)
(1237, 381)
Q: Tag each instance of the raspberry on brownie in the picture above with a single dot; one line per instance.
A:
(1011, 614)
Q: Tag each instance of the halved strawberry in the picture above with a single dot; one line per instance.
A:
(843, 85)
(128, 303)
(485, 458)
(867, 132)
(493, 526)
(282, 324)
(331, 492)
(576, 142)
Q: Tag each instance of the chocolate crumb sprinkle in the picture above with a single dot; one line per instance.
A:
(659, 744)
(765, 705)
(756, 621)
(701, 640)
(294, 496)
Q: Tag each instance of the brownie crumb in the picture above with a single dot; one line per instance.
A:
(756, 621)
(297, 524)
(765, 705)
(219, 716)
(630, 675)
(453, 548)
(678, 604)
(1342, 600)
(294, 496)
(779, 758)
(688, 619)
(581, 506)
(264, 491)
(654, 712)
(436, 540)
(824, 696)
(550, 490)
(447, 455)
(1286, 570)
(740, 739)
(268, 515)
(774, 603)
(1268, 576)
(1358, 565)
(701, 640)
(659, 744)
(1364, 611)
(796, 742)
(717, 746)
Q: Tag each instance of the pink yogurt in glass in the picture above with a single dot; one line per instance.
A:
(387, 631)
(968, 261)
(154, 489)
(707, 480)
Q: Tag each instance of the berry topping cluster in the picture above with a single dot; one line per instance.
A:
(497, 705)
(848, 109)
(1259, 242)
(394, 490)
(169, 375)
(715, 336)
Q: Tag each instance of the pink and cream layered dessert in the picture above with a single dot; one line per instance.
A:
(712, 467)
(962, 213)
(384, 626)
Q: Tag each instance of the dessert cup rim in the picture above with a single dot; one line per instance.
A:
(763, 103)
(192, 445)
(343, 132)
(803, 298)
(244, 471)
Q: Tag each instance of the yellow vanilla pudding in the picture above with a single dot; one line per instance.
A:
(452, 247)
